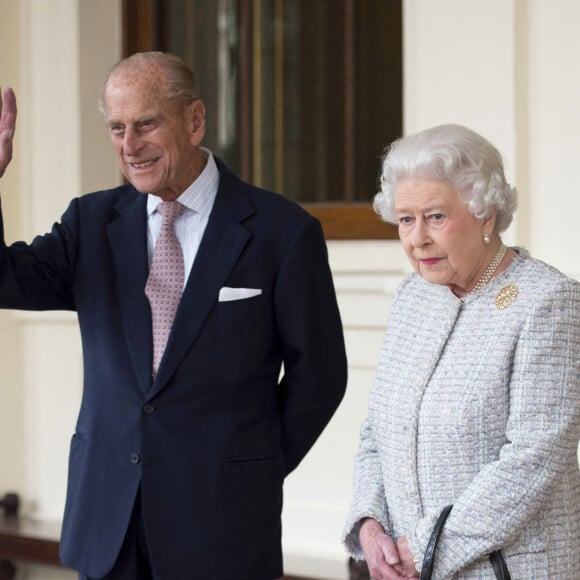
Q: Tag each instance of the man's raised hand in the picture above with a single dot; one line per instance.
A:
(7, 127)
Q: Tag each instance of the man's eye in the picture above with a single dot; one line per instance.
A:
(147, 125)
(437, 217)
(117, 129)
(405, 220)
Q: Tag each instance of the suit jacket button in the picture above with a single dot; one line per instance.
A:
(135, 458)
(148, 409)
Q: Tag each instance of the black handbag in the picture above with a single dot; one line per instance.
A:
(497, 561)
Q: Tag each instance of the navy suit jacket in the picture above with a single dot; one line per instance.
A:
(211, 439)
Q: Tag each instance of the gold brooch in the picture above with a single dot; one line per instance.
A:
(506, 296)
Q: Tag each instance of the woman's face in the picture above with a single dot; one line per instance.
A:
(442, 238)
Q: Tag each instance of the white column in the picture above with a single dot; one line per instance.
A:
(318, 494)
(11, 392)
(66, 48)
(459, 67)
(553, 121)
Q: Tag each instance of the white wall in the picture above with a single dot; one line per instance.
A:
(504, 67)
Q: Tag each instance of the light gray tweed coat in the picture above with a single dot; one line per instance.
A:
(478, 406)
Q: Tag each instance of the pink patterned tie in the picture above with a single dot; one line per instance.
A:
(165, 283)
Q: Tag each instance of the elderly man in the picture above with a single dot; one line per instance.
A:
(193, 291)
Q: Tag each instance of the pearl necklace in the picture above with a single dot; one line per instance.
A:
(490, 270)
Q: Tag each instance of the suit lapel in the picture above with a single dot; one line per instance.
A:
(128, 239)
(222, 243)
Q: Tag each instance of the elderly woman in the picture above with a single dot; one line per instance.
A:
(476, 396)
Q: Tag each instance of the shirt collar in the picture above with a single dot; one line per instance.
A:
(200, 195)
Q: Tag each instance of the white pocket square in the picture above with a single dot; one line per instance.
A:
(228, 294)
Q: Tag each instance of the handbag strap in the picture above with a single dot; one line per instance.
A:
(499, 566)
(429, 558)
(497, 560)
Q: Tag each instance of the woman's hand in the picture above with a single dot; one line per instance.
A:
(381, 554)
(406, 557)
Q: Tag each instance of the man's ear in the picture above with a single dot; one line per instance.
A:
(196, 116)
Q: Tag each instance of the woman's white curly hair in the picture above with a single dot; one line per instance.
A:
(458, 156)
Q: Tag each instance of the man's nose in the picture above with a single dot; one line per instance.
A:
(132, 142)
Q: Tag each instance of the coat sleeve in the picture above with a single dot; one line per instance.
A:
(40, 275)
(368, 496)
(368, 492)
(542, 433)
(310, 331)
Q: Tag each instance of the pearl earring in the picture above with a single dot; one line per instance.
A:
(486, 239)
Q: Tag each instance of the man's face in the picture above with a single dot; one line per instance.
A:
(156, 143)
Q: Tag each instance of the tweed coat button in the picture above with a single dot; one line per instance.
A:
(134, 458)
